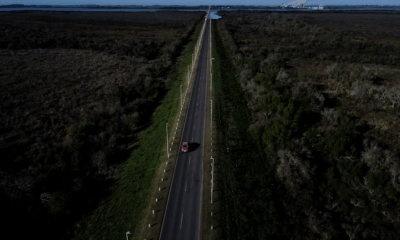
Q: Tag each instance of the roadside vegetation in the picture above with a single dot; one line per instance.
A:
(309, 114)
(80, 121)
(130, 195)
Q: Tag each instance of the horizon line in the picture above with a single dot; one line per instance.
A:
(185, 5)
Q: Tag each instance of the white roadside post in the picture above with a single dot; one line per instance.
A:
(167, 140)
(181, 99)
(212, 179)
(128, 232)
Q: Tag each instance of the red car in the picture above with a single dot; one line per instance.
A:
(185, 147)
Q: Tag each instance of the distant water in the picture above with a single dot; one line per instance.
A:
(214, 13)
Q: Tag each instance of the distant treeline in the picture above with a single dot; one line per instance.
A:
(192, 7)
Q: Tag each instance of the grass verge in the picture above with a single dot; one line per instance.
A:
(151, 224)
(209, 210)
(242, 172)
(123, 210)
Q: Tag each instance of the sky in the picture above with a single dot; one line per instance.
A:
(198, 2)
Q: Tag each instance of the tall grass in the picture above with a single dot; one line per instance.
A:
(123, 210)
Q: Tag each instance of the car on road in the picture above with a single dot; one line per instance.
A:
(185, 147)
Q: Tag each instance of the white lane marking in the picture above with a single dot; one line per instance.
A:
(194, 126)
(192, 139)
(185, 186)
(189, 160)
(181, 220)
(195, 113)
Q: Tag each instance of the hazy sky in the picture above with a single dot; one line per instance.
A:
(199, 2)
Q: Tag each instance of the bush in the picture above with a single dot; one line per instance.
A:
(292, 119)
(337, 142)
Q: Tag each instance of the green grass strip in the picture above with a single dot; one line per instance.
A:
(123, 210)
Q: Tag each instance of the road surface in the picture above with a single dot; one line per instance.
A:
(182, 217)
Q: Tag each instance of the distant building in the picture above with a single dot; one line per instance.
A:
(318, 8)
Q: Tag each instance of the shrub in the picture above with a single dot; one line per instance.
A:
(360, 89)
(292, 168)
(331, 115)
(278, 132)
(337, 142)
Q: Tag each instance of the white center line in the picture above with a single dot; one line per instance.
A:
(185, 186)
(189, 160)
(181, 220)
(194, 126)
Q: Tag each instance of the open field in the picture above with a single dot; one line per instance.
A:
(322, 92)
(78, 90)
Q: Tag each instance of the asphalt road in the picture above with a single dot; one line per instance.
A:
(182, 217)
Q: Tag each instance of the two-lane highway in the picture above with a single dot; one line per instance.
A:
(182, 217)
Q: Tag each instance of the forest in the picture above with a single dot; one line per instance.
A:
(77, 90)
(307, 116)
